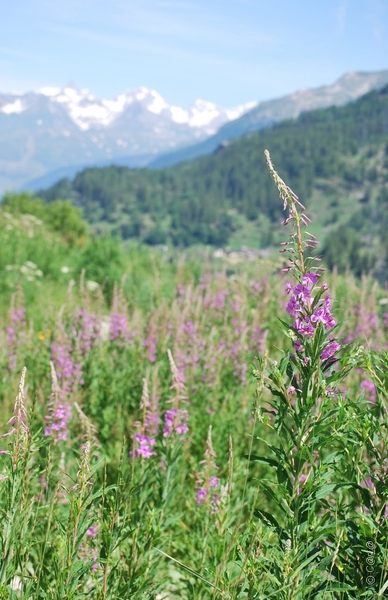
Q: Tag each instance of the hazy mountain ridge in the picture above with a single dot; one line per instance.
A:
(348, 88)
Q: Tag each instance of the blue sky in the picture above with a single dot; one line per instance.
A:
(225, 51)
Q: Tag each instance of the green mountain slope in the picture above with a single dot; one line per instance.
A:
(335, 159)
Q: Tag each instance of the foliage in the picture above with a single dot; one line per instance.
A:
(59, 216)
(124, 470)
(335, 157)
(328, 505)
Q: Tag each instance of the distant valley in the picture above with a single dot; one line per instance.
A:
(335, 159)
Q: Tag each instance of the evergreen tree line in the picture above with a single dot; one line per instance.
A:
(191, 202)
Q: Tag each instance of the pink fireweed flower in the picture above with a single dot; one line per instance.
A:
(201, 495)
(207, 483)
(88, 549)
(293, 307)
(288, 287)
(58, 422)
(305, 320)
(68, 371)
(304, 295)
(93, 530)
(15, 332)
(145, 439)
(150, 343)
(302, 292)
(87, 330)
(59, 412)
(119, 329)
(330, 350)
(175, 420)
(145, 445)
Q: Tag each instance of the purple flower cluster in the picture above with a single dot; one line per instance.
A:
(175, 420)
(330, 350)
(18, 320)
(258, 338)
(219, 298)
(119, 329)
(88, 549)
(152, 420)
(150, 343)
(88, 330)
(68, 372)
(208, 484)
(189, 344)
(13, 334)
(204, 494)
(93, 530)
(145, 445)
(57, 421)
(309, 315)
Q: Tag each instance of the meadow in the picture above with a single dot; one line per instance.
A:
(176, 427)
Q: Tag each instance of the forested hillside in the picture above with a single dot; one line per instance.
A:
(336, 159)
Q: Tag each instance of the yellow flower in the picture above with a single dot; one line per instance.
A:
(41, 336)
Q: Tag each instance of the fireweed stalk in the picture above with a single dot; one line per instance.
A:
(145, 442)
(309, 304)
(175, 427)
(317, 486)
(14, 515)
(175, 419)
(59, 412)
(81, 518)
(207, 482)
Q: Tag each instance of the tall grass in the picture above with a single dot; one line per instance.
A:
(125, 470)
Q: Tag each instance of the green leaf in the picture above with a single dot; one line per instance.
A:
(262, 459)
(332, 458)
(270, 521)
(281, 472)
(270, 494)
(325, 490)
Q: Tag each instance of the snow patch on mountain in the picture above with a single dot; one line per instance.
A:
(87, 111)
(84, 109)
(235, 113)
(13, 107)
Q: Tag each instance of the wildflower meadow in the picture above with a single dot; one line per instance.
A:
(193, 430)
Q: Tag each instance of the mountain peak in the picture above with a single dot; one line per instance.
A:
(66, 127)
(87, 111)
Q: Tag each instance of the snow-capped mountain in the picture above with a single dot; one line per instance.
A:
(55, 132)
(56, 128)
(88, 112)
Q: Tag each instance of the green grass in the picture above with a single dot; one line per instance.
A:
(97, 522)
